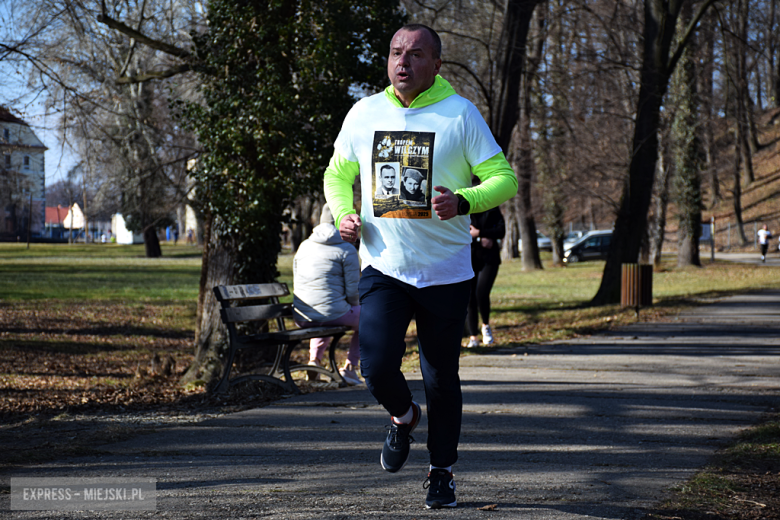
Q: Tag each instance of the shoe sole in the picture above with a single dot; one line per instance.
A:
(382, 455)
(439, 505)
(352, 382)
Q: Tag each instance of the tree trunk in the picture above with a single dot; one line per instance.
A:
(737, 191)
(509, 249)
(687, 152)
(151, 243)
(218, 268)
(523, 165)
(743, 141)
(743, 123)
(302, 221)
(661, 206)
(707, 92)
(773, 68)
(505, 112)
(751, 134)
(554, 163)
(631, 222)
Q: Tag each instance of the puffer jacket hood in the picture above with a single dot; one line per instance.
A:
(326, 234)
(326, 271)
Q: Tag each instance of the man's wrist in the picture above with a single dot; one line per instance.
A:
(463, 205)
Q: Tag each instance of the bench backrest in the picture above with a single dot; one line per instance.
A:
(229, 295)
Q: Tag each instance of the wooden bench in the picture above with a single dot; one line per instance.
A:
(259, 303)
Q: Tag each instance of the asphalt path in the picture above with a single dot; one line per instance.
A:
(600, 427)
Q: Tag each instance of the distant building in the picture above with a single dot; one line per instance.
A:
(74, 222)
(22, 179)
(122, 234)
(55, 222)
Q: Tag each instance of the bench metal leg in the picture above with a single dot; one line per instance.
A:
(332, 357)
(277, 368)
(224, 383)
(333, 371)
(286, 367)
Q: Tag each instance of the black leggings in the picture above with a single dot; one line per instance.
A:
(479, 303)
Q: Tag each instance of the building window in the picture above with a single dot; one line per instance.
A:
(26, 162)
(7, 160)
(6, 135)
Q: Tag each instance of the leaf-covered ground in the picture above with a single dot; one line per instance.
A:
(742, 483)
(74, 377)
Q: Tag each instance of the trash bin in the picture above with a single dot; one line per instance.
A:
(636, 288)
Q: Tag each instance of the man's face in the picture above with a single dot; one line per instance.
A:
(411, 66)
(388, 178)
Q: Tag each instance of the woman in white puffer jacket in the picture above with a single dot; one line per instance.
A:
(326, 272)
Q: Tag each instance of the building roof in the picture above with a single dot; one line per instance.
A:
(52, 217)
(7, 117)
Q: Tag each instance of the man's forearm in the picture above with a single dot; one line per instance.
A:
(498, 184)
(338, 181)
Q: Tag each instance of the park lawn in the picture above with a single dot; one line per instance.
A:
(80, 317)
(109, 301)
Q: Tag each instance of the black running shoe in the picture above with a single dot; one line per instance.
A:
(395, 452)
(441, 489)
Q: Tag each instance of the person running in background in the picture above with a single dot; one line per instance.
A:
(763, 241)
(487, 229)
(326, 272)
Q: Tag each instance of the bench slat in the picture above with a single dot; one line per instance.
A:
(256, 312)
(250, 291)
(291, 336)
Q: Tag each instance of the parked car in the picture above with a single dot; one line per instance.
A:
(542, 242)
(572, 237)
(593, 246)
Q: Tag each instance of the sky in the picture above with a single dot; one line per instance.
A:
(16, 96)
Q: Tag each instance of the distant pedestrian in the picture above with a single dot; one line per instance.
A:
(190, 237)
(175, 234)
(487, 230)
(763, 240)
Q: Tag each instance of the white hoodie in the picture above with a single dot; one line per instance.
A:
(326, 272)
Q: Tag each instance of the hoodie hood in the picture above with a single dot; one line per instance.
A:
(326, 234)
(441, 89)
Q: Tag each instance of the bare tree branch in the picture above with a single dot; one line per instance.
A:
(142, 38)
(689, 31)
(149, 76)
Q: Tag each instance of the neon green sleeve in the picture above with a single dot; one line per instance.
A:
(498, 184)
(339, 178)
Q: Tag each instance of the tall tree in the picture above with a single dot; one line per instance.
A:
(658, 63)
(278, 78)
(663, 174)
(687, 151)
(706, 66)
(553, 153)
(123, 133)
